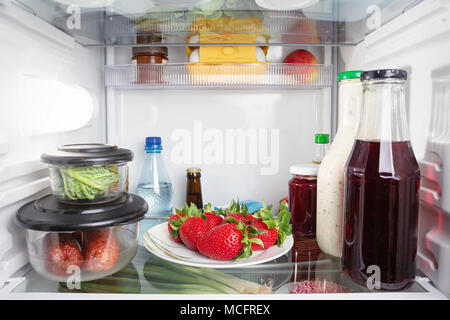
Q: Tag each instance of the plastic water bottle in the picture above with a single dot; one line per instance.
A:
(154, 186)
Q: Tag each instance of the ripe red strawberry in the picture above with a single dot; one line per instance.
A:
(250, 218)
(236, 216)
(190, 231)
(228, 241)
(177, 220)
(282, 227)
(223, 242)
(268, 238)
(174, 234)
(212, 220)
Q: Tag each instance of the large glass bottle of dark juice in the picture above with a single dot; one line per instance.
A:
(382, 188)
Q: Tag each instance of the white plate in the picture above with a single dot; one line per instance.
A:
(285, 4)
(158, 241)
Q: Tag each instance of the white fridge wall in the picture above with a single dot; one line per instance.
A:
(276, 128)
(52, 94)
(418, 41)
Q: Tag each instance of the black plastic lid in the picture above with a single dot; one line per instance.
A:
(384, 74)
(48, 214)
(87, 154)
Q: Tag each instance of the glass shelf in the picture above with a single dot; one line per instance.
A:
(304, 263)
(276, 75)
(130, 22)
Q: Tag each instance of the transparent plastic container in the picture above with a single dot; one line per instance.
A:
(82, 256)
(88, 184)
(88, 173)
(81, 243)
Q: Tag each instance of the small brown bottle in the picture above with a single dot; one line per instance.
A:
(194, 187)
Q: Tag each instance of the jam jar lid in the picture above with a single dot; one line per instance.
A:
(384, 74)
(49, 214)
(305, 169)
(87, 154)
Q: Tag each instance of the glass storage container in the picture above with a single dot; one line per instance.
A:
(88, 173)
(74, 244)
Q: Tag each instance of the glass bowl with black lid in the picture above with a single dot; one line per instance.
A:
(88, 173)
(72, 243)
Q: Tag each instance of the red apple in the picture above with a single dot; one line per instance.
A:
(301, 56)
(302, 74)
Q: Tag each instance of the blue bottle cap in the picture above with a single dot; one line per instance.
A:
(153, 141)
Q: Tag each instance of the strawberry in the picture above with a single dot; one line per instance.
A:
(191, 229)
(250, 218)
(228, 241)
(276, 231)
(238, 211)
(235, 216)
(268, 238)
(213, 219)
(176, 220)
(174, 234)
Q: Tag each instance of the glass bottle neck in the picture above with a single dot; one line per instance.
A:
(384, 112)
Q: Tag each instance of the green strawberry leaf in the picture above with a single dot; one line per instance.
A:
(252, 231)
(281, 237)
(246, 252)
(257, 241)
(208, 208)
(176, 224)
(175, 233)
(232, 220)
(284, 218)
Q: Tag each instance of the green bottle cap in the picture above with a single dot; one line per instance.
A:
(349, 75)
(322, 138)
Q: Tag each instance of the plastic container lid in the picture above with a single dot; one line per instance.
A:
(87, 154)
(384, 74)
(354, 74)
(305, 169)
(322, 138)
(48, 214)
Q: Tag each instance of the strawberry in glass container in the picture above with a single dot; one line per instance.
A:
(100, 249)
(61, 252)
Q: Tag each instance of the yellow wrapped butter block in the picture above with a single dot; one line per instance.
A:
(238, 63)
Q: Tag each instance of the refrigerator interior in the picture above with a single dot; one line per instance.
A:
(66, 85)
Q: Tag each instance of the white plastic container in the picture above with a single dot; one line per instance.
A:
(330, 180)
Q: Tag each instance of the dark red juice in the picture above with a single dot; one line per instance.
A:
(302, 205)
(381, 213)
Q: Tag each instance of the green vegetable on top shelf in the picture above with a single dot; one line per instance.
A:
(86, 183)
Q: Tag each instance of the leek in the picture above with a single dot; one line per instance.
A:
(225, 280)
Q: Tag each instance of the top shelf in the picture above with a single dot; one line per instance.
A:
(132, 22)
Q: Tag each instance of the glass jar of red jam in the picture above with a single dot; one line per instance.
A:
(303, 200)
